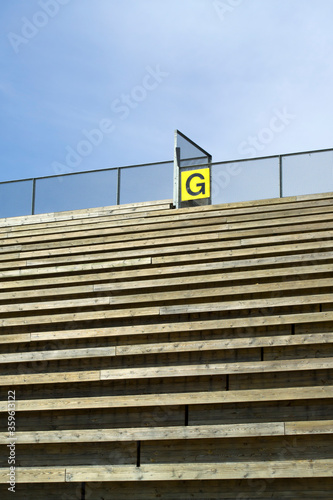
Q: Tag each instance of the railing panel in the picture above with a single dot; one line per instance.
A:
(245, 180)
(16, 198)
(307, 173)
(146, 183)
(76, 191)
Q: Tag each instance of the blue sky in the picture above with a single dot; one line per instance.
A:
(240, 77)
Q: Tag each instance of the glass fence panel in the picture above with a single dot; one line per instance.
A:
(76, 191)
(147, 183)
(307, 173)
(16, 198)
(245, 180)
(190, 153)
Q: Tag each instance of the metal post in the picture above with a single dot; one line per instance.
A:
(176, 174)
(33, 203)
(118, 187)
(280, 176)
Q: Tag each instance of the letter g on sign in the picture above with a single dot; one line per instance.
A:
(195, 184)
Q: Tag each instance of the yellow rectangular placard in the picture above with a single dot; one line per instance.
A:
(195, 184)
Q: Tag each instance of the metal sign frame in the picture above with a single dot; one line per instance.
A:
(178, 168)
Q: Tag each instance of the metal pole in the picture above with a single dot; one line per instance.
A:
(177, 178)
(176, 163)
(280, 176)
(118, 187)
(33, 203)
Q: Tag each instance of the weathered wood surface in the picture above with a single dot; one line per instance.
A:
(172, 336)
(173, 472)
(190, 398)
(173, 433)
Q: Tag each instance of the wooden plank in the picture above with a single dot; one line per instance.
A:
(173, 371)
(221, 291)
(199, 471)
(35, 475)
(216, 369)
(56, 304)
(222, 344)
(150, 433)
(24, 357)
(48, 292)
(309, 427)
(188, 398)
(210, 254)
(248, 304)
(76, 268)
(15, 338)
(187, 326)
(79, 316)
(49, 378)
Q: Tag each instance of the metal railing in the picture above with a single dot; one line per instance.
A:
(238, 180)
(277, 176)
(74, 191)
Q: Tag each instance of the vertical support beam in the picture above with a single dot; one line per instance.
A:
(33, 201)
(280, 176)
(176, 175)
(118, 186)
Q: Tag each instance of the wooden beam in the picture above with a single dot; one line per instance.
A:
(222, 344)
(200, 471)
(15, 338)
(248, 304)
(309, 427)
(35, 475)
(151, 433)
(188, 398)
(217, 369)
(26, 357)
(174, 472)
(49, 378)
(172, 433)
(186, 326)
(173, 371)
(76, 268)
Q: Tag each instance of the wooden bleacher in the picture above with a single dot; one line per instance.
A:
(175, 354)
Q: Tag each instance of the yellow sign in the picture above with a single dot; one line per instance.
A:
(195, 184)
